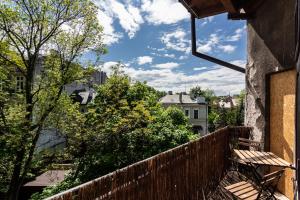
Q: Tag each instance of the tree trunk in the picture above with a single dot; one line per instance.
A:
(17, 178)
(16, 182)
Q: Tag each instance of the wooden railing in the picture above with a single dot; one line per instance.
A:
(189, 171)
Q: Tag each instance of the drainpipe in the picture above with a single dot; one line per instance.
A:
(206, 57)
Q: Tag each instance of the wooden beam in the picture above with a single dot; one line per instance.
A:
(209, 11)
(240, 16)
(252, 5)
(229, 6)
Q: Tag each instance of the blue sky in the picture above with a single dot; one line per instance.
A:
(152, 39)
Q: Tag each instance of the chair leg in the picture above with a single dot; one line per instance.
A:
(259, 194)
(272, 193)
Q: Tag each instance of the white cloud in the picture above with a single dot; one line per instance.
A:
(227, 48)
(208, 45)
(214, 43)
(128, 15)
(240, 63)
(183, 57)
(169, 65)
(237, 35)
(164, 11)
(176, 40)
(110, 35)
(130, 18)
(222, 80)
(144, 60)
(106, 67)
(199, 68)
(169, 55)
(207, 20)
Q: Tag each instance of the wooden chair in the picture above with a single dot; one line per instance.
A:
(239, 165)
(246, 190)
(246, 144)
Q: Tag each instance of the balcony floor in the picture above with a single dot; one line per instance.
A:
(233, 177)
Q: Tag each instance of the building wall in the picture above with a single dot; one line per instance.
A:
(50, 138)
(202, 114)
(270, 48)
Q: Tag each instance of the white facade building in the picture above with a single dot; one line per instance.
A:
(196, 110)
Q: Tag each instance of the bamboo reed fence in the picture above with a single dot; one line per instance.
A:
(189, 171)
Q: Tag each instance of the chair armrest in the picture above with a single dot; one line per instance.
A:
(248, 140)
(271, 177)
(276, 173)
(249, 143)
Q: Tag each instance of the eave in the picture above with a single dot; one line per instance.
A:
(234, 8)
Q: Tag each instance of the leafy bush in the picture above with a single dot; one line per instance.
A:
(125, 124)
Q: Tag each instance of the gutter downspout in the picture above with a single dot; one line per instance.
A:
(206, 57)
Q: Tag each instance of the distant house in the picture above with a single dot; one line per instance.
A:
(83, 97)
(97, 78)
(196, 110)
(82, 92)
(228, 102)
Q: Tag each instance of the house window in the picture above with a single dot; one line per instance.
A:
(197, 129)
(196, 114)
(187, 113)
(82, 110)
(20, 83)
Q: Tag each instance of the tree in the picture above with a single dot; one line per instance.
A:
(241, 108)
(196, 92)
(58, 31)
(221, 116)
(125, 124)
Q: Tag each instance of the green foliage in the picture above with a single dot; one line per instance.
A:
(125, 124)
(220, 117)
(55, 33)
(196, 92)
(176, 115)
(129, 125)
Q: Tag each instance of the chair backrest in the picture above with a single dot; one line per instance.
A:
(272, 178)
(269, 183)
(244, 144)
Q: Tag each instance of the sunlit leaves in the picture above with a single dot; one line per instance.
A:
(41, 40)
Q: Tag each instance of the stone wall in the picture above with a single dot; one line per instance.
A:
(270, 48)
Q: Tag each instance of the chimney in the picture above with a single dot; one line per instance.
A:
(170, 93)
(180, 97)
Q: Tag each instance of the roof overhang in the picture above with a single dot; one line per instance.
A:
(236, 9)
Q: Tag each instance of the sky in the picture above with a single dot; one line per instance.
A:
(152, 39)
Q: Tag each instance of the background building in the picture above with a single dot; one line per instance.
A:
(81, 92)
(196, 110)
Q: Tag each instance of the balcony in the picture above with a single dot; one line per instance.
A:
(190, 171)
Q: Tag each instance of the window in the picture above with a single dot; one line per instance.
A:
(197, 129)
(187, 113)
(20, 83)
(196, 114)
(82, 110)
